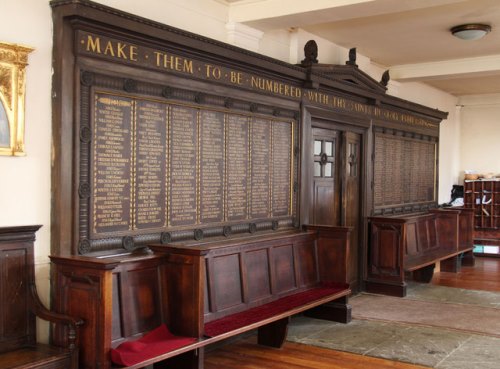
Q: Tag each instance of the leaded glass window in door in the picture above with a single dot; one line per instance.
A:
(324, 158)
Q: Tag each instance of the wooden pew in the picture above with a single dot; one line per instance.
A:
(412, 244)
(20, 306)
(208, 291)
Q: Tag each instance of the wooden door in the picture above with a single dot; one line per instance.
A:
(336, 188)
(325, 209)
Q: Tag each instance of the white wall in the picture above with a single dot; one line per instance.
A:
(480, 134)
(205, 17)
(25, 181)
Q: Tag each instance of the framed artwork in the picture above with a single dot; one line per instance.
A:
(13, 62)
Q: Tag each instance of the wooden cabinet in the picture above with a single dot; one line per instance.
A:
(484, 197)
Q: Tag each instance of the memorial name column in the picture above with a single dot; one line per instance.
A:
(261, 179)
(282, 168)
(150, 165)
(237, 163)
(183, 165)
(212, 166)
(112, 163)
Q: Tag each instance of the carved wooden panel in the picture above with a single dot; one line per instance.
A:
(411, 244)
(283, 268)
(384, 256)
(16, 324)
(226, 281)
(259, 286)
(144, 305)
(305, 255)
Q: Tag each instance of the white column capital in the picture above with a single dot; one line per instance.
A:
(243, 36)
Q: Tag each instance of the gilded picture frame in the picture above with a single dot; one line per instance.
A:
(13, 62)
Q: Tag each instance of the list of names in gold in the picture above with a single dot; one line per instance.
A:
(183, 180)
(237, 167)
(112, 164)
(157, 165)
(150, 164)
(261, 152)
(282, 138)
(212, 166)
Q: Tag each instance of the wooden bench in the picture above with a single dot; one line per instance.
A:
(412, 244)
(20, 305)
(206, 291)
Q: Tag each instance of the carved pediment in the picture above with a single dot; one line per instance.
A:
(348, 73)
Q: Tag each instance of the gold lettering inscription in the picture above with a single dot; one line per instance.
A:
(170, 62)
(115, 49)
(236, 78)
(275, 87)
(174, 62)
(213, 71)
(318, 97)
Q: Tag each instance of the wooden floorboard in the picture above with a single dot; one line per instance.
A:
(246, 354)
(485, 275)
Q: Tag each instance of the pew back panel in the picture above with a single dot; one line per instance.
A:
(415, 243)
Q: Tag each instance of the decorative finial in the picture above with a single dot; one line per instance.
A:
(352, 57)
(310, 53)
(385, 78)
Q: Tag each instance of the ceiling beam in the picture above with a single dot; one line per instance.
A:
(483, 65)
(298, 13)
(248, 11)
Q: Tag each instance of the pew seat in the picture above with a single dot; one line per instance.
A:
(204, 292)
(270, 319)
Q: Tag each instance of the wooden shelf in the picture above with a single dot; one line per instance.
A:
(476, 193)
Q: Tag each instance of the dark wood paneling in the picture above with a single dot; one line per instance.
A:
(415, 243)
(225, 280)
(307, 261)
(283, 269)
(171, 285)
(20, 305)
(259, 286)
(144, 305)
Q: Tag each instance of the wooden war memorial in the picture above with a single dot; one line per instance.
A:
(194, 180)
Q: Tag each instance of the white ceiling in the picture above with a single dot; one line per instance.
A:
(409, 37)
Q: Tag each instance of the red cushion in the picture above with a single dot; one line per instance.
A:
(158, 341)
(256, 314)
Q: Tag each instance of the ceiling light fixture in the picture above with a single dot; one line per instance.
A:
(470, 31)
